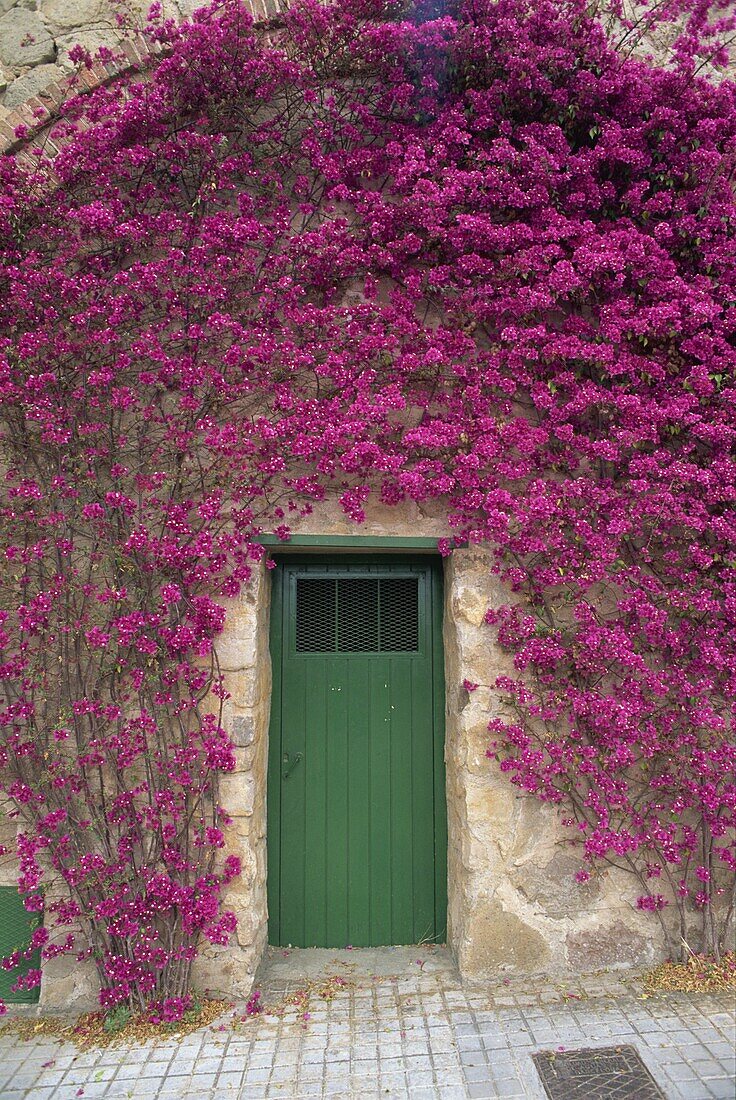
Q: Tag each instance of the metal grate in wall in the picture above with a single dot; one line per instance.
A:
(357, 615)
(16, 928)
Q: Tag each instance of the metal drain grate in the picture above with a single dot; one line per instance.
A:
(606, 1073)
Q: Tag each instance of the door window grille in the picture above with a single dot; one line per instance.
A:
(357, 615)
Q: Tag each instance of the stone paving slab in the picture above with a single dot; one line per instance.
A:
(394, 1023)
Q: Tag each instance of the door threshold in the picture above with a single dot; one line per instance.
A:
(306, 964)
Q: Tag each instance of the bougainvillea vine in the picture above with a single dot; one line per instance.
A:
(467, 252)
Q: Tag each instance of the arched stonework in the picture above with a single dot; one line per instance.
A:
(37, 35)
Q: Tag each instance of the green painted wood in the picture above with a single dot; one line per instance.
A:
(357, 818)
(16, 928)
(440, 795)
(360, 542)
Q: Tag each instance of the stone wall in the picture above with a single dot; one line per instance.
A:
(244, 659)
(513, 904)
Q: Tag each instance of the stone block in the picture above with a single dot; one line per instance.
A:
(64, 15)
(471, 603)
(239, 841)
(68, 983)
(24, 40)
(249, 688)
(491, 813)
(229, 970)
(236, 649)
(238, 794)
(243, 731)
(615, 945)
(497, 939)
(30, 84)
(552, 887)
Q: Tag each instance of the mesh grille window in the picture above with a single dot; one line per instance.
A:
(357, 615)
(315, 615)
(399, 613)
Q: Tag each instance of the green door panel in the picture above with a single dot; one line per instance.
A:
(16, 927)
(356, 797)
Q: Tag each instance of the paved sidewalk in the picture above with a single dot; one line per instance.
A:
(395, 1023)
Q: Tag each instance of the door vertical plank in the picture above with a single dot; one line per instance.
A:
(439, 771)
(381, 790)
(337, 803)
(273, 793)
(359, 708)
(316, 702)
(293, 789)
(402, 832)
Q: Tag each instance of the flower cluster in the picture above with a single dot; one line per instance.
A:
(475, 256)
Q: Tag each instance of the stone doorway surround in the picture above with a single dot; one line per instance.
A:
(513, 904)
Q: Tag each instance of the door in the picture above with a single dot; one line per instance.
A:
(356, 798)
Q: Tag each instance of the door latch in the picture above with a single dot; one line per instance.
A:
(289, 764)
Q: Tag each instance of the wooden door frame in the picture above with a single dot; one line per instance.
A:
(374, 550)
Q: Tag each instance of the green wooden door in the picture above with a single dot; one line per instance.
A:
(356, 799)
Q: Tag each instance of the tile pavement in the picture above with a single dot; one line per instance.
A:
(392, 1023)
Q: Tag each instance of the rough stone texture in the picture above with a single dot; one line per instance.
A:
(243, 653)
(553, 888)
(512, 898)
(616, 945)
(34, 33)
(500, 941)
(67, 983)
(91, 40)
(63, 15)
(30, 84)
(24, 40)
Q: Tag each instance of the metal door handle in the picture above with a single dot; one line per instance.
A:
(286, 772)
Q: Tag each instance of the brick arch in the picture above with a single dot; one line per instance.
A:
(31, 123)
